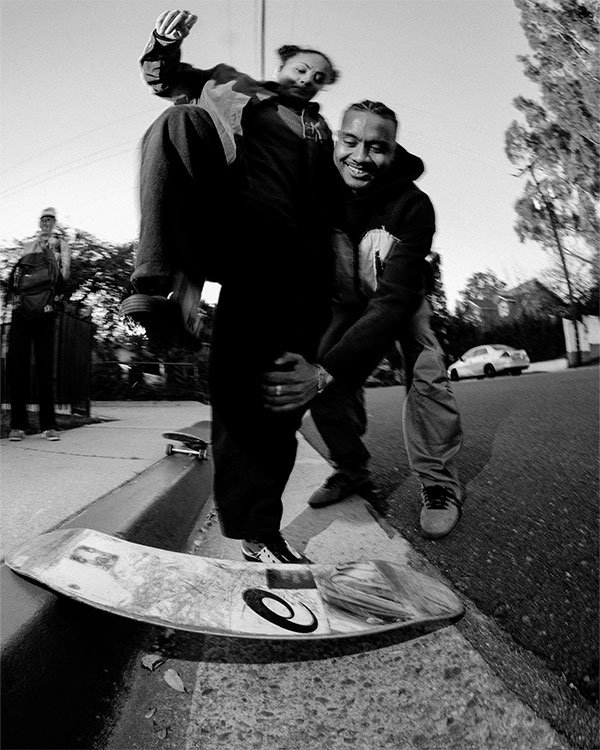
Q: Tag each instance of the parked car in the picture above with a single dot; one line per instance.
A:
(488, 360)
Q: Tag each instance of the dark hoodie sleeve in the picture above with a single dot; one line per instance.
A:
(400, 291)
(167, 76)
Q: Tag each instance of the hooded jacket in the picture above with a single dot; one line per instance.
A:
(381, 268)
(279, 155)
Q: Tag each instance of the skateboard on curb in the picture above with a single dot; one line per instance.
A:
(193, 445)
(233, 598)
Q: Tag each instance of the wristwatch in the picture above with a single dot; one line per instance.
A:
(323, 378)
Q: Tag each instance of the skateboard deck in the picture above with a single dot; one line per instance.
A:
(194, 444)
(229, 597)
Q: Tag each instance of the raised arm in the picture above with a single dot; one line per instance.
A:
(174, 25)
(65, 259)
(161, 64)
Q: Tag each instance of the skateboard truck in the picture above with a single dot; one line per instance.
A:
(192, 445)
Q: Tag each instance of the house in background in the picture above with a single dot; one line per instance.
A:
(530, 299)
(588, 330)
(533, 299)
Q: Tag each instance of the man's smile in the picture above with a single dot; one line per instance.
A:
(358, 172)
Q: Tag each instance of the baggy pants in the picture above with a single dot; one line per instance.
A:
(23, 335)
(182, 201)
(430, 417)
(274, 298)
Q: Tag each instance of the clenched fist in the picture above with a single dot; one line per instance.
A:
(174, 25)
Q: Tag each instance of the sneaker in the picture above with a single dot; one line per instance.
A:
(51, 434)
(440, 511)
(274, 551)
(339, 487)
(16, 435)
(161, 317)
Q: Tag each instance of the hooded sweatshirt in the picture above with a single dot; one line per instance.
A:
(279, 150)
(381, 268)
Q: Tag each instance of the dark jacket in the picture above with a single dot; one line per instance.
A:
(388, 229)
(279, 152)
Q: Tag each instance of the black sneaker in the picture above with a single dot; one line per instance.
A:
(440, 511)
(339, 487)
(273, 551)
(161, 318)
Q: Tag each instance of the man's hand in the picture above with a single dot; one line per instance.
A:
(174, 25)
(290, 388)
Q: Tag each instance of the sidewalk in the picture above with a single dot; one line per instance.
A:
(45, 483)
(550, 365)
(59, 665)
(435, 691)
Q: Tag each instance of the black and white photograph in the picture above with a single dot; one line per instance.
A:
(299, 349)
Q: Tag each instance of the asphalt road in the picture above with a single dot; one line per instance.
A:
(526, 550)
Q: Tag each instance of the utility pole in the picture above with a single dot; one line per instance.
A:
(263, 11)
(553, 224)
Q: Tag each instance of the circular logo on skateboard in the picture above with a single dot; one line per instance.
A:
(256, 598)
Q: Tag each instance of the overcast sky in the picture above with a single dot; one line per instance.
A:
(74, 107)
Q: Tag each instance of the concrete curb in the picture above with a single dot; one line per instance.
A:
(59, 658)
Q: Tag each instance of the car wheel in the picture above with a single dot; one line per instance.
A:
(454, 376)
(489, 371)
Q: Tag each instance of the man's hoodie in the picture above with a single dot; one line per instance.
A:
(381, 271)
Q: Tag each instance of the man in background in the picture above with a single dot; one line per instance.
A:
(46, 260)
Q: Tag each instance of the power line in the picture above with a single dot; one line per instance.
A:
(76, 137)
(49, 174)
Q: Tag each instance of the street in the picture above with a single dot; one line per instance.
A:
(526, 550)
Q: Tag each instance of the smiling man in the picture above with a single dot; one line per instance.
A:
(380, 301)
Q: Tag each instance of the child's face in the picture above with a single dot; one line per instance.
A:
(304, 75)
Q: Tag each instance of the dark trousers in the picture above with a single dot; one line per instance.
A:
(25, 334)
(274, 298)
(254, 450)
(182, 199)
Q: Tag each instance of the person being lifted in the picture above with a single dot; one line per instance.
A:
(236, 185)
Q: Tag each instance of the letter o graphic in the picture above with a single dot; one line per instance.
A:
(255, 599)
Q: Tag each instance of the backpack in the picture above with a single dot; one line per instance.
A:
(34, 283)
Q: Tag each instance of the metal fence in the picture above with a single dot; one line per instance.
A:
(145, 379)
(72, 365)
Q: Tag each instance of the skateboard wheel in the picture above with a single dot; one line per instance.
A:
(169, 449)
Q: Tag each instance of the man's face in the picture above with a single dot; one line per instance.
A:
(364, 149)
(47, 224)
(304, 75)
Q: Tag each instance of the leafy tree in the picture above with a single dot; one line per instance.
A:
(437, 295)
(591, 302)
(437, 300)
(556, 144)
(480, 287)
(99, 277)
